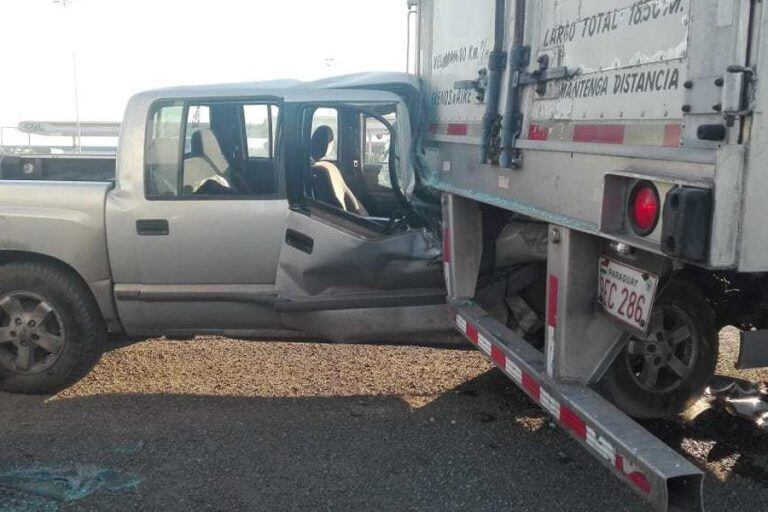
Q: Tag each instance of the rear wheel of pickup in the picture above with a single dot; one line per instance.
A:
(663, 373)
(51, 330)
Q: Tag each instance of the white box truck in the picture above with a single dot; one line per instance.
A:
(624, 140)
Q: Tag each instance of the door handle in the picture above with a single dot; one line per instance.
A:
(299, 241)
(152, 227)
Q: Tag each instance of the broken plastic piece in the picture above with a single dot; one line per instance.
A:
(739, 398)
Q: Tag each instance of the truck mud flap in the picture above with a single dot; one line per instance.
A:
(658, 474)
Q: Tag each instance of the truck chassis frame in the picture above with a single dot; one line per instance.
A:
(558, 379)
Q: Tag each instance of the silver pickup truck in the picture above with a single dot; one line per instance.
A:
(253, 209)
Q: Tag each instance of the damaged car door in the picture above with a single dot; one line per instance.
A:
(357, 263)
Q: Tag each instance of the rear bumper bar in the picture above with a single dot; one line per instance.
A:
(660, 475)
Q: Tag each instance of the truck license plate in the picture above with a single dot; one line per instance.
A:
(626, 293)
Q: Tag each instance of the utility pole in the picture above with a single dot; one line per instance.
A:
(78, 139)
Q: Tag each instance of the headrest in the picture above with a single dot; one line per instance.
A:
(205, 144)
(321, 142)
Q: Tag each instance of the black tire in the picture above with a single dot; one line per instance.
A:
(627, 384)
(81, 337)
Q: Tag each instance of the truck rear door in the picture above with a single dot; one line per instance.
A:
(590, 89)
(646, 73)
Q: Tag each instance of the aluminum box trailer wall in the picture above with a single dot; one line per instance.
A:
(607, 94)
(629, 131)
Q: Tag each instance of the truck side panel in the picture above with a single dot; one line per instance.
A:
(63, 221)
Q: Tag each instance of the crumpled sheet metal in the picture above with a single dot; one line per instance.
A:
(70, 483)
(739, 398)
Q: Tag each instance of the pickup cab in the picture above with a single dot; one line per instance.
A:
(246, 210)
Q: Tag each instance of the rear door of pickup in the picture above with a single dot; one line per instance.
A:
(194, 246)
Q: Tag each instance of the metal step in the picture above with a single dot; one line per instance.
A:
(657, 473)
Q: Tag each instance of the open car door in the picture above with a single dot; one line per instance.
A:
(353, 265)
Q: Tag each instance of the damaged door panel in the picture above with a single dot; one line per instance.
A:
(379, 278)
(343, 263)
(351, 268)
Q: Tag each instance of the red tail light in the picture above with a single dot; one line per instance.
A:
(644, 208)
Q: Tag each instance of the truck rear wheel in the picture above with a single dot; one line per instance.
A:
(663, 373)
(51, 330)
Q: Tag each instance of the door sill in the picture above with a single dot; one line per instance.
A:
(363, 300)
(250, 293)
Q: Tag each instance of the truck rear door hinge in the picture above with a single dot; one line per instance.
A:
(519, 60)
(496, 62)
(479, 85)
(544, 74)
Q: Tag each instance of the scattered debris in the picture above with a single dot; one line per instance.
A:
(739, 398)
(564, 458)
(67, 484)
(16, 501)
(129, 448)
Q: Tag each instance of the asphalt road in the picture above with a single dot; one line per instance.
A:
(228, 425)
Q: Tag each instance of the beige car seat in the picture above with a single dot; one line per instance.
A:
(206, 163)
(328, 183)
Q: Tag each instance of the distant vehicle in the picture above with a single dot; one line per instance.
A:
(58, 161)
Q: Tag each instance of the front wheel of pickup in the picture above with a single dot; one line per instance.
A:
(663, 373)
(51, 330)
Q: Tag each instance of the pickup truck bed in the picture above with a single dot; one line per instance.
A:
(62, 221)
(53, 167)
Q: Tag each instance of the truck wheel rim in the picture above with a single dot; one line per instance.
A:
(31, 333)
(667, 356)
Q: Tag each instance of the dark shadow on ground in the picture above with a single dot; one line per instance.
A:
(482, 446)
(733, 443)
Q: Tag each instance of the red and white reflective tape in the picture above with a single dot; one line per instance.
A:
(565, 415)
(456, 129)
(635, 134)
(657, 134)
(446, 244)
(552, 297)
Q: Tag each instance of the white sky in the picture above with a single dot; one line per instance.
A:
(125, 46)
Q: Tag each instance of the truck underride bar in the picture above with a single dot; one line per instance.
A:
(660, 475)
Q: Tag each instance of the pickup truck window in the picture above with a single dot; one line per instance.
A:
(198, 117)
(228, 150)
(261, 130)
(376, 142)
(358, 180)
(162, 153)
(328, 117)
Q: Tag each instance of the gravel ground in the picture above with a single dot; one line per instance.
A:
(219, 424)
